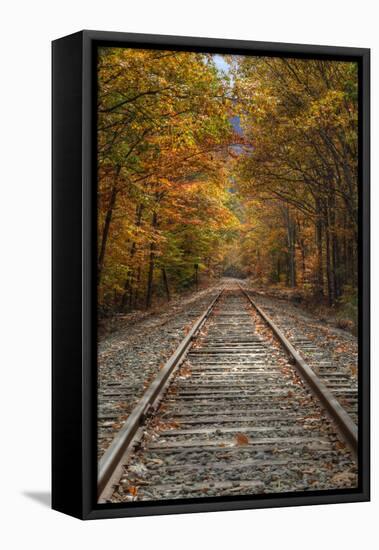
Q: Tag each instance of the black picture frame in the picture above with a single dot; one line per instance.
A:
(74, 468)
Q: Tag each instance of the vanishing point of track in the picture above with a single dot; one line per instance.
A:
(236, 410)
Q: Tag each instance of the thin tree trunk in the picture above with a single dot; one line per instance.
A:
(291, 237)
(278, 271)
(303, 263)
(301, 244)
(149, 290)
(344, 261)
(336, 266)
(134, 295)
(128, 282)
(320, 266)
(334, 242)
(107, 223)
(165, 284)
(328, 263)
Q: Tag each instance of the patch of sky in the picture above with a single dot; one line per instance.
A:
(224, 68)
(221, 64)
(235, 122)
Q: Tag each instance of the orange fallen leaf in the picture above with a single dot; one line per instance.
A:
(242, 439)
(164, 426)
(344, 479)
(133, 490)
(186, 371)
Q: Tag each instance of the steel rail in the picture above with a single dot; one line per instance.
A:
(345, 424)
(148, 402)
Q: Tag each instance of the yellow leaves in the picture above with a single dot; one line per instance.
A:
(170, 127)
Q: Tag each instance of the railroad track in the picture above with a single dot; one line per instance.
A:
(333, 374)
(235, 411)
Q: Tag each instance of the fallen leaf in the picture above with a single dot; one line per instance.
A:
(186, 371)
(344, 478)
(242, 439)
(133, 490)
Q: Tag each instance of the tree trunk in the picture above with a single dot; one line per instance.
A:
(329, 275)
(165, 284)
(129, 279)
(334, 241)
(301, 243)
(107, 223)
(291, 239)
(344, 261)
(336, 266)
(149, 290)
(320, 266)
(134, 295)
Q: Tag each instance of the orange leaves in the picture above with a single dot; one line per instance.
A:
(164, 131)
(185, 371)
(133, 490)
(341, 349)
(344, 479)
(241, 439)
(165, 426)
(340, 445)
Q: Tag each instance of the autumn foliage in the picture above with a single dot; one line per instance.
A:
(184, 189)
(300, 179)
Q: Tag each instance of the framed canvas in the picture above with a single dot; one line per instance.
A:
(210, 274)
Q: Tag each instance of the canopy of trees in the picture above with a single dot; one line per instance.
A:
(300, 179)
(184, 189)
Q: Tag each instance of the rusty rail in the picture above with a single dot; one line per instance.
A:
(149, 400)
(345, 424)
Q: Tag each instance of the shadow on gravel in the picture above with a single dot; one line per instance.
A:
(42, 497)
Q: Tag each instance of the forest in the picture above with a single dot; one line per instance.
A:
(213, 166)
